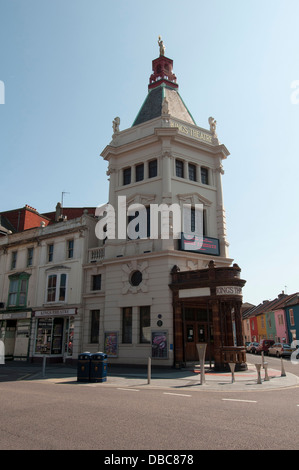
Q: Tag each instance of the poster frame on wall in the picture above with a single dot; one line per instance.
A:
(159, 344)
(111, 343)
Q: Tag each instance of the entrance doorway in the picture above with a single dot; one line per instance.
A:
(198, 329)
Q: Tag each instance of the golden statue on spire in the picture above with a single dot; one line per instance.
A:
(161, 45)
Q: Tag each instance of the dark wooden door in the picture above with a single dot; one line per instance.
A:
(197, 332)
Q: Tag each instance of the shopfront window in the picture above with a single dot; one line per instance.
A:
(54, 336)
(69, 336)
(57, 332)
(44, 336)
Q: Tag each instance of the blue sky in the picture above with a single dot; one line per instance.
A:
(70, 66)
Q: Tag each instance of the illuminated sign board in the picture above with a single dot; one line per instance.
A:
(204, 245)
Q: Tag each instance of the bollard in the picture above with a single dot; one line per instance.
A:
(266, 379)
(149, 362)
(201, 349)
(262, 354)
(258, 369)
(202, 372)
(283, 372)
(44, 366)
(232, 366)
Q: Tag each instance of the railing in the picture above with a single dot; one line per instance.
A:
(96, 255)
(235, 354)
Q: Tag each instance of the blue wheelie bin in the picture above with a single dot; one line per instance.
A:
(83, 367)
(98, 367)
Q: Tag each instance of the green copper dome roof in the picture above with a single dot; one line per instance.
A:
(152, 106)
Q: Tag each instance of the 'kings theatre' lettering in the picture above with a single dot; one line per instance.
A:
(196, 133)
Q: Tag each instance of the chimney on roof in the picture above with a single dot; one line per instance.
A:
(29, 207)
(58, 212)
(280, 296)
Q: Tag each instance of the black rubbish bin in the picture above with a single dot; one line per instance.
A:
(83, 368)
(98, 367)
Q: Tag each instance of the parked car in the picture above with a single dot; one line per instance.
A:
(252, 347)
(280, 350)
(264, 346)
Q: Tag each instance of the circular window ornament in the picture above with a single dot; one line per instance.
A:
(136, 278)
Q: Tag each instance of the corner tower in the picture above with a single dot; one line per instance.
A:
(159, 295)
(166, 158)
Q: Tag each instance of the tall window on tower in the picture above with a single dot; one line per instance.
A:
(140, 172)
(127, 176)
(192, 172)
(152, 168)
(135, 231)
(204, 224)
(204, 175)
(179, 168)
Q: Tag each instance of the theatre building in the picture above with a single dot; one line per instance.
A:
(159, 296)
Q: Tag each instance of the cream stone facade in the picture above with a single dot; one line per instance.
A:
(164, 158)
(67, 291)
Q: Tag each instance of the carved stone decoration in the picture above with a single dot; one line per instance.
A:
(220, 169)
(115, 125)
(165, 107)
(213, 124)
(110, 170)
(134, 278)
(192, 265)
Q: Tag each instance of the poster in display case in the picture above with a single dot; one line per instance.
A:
(111, 344)
(49, 336)
(159, 345)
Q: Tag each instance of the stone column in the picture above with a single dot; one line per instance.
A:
(217, 330)
(238, 323)
(111, 172)
(166, 174)
(178, 334)
(220, 211)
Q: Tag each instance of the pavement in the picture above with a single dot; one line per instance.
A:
(178, 380)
